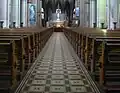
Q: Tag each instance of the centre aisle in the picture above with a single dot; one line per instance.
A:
(57, 70)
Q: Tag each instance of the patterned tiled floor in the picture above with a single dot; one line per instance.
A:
(57, 71)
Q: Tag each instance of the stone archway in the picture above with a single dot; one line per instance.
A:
(59, 5)
(49, 10)
(67, 9)
(65, 6)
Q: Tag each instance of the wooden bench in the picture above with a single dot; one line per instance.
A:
(18, 50)
(9, 65)
(92, 46)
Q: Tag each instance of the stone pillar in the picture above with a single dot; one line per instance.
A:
(84, 6)
(18, 14)
(3, 12)
(113, 13)
(8, 13)
(39, 6)
(108, 13)
(101, 12)
(87, 13)
(28, 2)
(118, 25)
(92, 13)
(15, 13)
(82, 12)
(41, 12)
(23, 13)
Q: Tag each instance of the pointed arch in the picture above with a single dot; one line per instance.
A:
(59, 2)
(49, 10)
(49, 4)
(67, 7)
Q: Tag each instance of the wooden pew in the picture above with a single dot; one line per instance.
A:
(92, 46)
(27, 45)
(21, 56)
(9, 64)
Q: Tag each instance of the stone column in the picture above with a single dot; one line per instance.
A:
(18, 22)
(82, 13)
(27, 13)
(15, 12)
(101, 12)
(118, 25)
(41, 12)
(39, 6)
(92, 12)
(112, 13)
(108, 13)
(38, 13)
(8, 13)
(3, 12)
(87, 13)
(23, 12)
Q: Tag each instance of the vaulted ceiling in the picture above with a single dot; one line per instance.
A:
(65, 6)
(53, 4)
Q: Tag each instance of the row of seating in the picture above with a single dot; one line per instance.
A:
(18, 50)
(99, 50)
